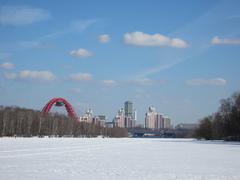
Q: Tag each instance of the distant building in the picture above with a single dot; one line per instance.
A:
(167, 123)
(135, 115)
(155, 120)
(159, 121)
(128, 108)
(129, 122)
(185, 130)
(150, 118)
(101, 120)
(127, 117)
(96, 120)
(119, 120)
(88, 117)
(187, 126)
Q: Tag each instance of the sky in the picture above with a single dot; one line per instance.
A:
(181, 57)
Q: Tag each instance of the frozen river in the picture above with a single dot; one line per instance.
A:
(120, 159)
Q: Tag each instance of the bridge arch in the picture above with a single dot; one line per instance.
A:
(60, 102)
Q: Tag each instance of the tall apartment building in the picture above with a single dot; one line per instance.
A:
(100, 120)
(167, 123)
(129, 122)
(126, 118)
(135, 114)
(150, 118)
(159, 121)
(119, 120)
(128, 109)
(155, 120)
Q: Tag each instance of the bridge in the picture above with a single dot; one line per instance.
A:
(60, 102)
(142, 132)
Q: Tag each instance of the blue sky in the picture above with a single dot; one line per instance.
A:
(180, 56)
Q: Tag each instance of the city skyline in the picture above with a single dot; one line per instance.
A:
(157, 120)
(180, 59)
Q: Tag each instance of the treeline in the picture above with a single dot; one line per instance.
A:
(15, 121)
(225, 123)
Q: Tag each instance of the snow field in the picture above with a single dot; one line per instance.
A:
(117, 159)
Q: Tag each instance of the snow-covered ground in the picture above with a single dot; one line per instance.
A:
(120, 159)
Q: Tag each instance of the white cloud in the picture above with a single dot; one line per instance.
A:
(225, 41)
(142, 39)
(81, 77)
(7, 65)
(109, 82)
(21, 15)
(31, 75)
(207, 82)
(81, 53)
(104, 38)
(81, 25)
(146, 82)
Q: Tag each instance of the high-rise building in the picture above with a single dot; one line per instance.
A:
(128, 108)
(150, 118)
(159, 121)
(126, 118)
(129, 122)
(119, 120)
(135, 114)
(101, 120)
(155, 120)
(167, 123)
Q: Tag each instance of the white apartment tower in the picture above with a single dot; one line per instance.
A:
(119, 119)
(150, 118)
(155, 120)
(167, 123)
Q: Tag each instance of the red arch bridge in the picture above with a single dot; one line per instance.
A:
(60, 102)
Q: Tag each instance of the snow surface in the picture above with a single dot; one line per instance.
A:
(117, 159)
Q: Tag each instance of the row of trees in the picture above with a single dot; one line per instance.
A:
(15, 121)
(225, 123)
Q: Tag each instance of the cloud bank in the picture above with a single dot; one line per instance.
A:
(225, 41)
(207, 82)
(31, 75)
(7, 65)
(146, 82)
(81, 53)
(81, 77)
(104, 38)
(109, 82)
(21, 15)
(142, 39)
